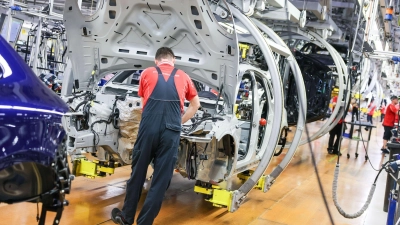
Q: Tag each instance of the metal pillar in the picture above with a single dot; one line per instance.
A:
(37, 49)
(9, 25)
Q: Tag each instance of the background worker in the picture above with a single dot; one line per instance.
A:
(371, 110)
(333, 148)
(391, 117)
(354, 113)
(383, 111)
(370, 113)
(163, 90)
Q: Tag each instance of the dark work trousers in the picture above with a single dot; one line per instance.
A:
(335, 132)
(354, 113)
(369, 118)
(158, 140)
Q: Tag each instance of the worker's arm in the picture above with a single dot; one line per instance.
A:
(392, 108)
(192, 109)
(350, 108)
(142, 99)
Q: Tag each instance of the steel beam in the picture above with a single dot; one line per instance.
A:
(9, 19)
(337, 4)
(277, 3)
(382, 7)
(285, 52)
(280, 14)
(314, 7)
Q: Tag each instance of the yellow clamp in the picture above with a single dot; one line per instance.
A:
(244, 48)
(219, 197)
(260, 183)
(84, 167)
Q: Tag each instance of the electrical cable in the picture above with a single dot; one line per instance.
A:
(313, 157)
(204, 151)
(197, 122)
(80, 104)
(337, 169)
(366, 152)
(104, 221)
(283, 141)
(318, 177)
(110, 120)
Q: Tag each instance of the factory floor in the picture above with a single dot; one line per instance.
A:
(295, 198)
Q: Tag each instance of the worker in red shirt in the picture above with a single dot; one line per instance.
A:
(370, 112)
(333, 148)
(163, 90)
(391, 117)
(383, 111)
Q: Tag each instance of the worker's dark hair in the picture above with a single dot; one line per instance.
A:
(164, 53)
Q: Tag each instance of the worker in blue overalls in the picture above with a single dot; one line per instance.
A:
(163, 90)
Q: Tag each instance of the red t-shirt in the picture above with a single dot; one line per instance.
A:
(391, 116)
(383, 110)
(183, 83)
(334, 100)
(371, 109)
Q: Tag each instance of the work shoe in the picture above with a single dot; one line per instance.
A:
(385, 151)
(117, 218)
(366, 129)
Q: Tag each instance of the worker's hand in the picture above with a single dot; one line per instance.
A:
(192, 109)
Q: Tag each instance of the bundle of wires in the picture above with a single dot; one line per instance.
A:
(191, 165)
(113, 116)
(188, 129)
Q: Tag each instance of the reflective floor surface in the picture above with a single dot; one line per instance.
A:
(295, 198)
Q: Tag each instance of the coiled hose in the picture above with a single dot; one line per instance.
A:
(335, 200)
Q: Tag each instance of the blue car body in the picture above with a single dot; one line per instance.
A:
(30, 129)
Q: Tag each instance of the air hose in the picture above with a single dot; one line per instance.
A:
(366, 204)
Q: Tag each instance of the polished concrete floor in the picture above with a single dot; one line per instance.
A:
(295, 198)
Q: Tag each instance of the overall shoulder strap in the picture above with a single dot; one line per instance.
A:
(158, 70)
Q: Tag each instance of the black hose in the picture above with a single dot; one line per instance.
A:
(80, 104)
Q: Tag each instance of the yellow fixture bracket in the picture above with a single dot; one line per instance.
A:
(218, 196)
(90, 169)
(221, 198)
(244, 176)
(224, 198)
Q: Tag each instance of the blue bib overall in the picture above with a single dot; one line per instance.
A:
(158, 140)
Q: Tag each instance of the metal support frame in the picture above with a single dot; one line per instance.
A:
(9, 17)
(301, 121)
(343, 78)
(293, 14)
(240, 194)
(26, 7)
(314, 7)
(37, 49)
